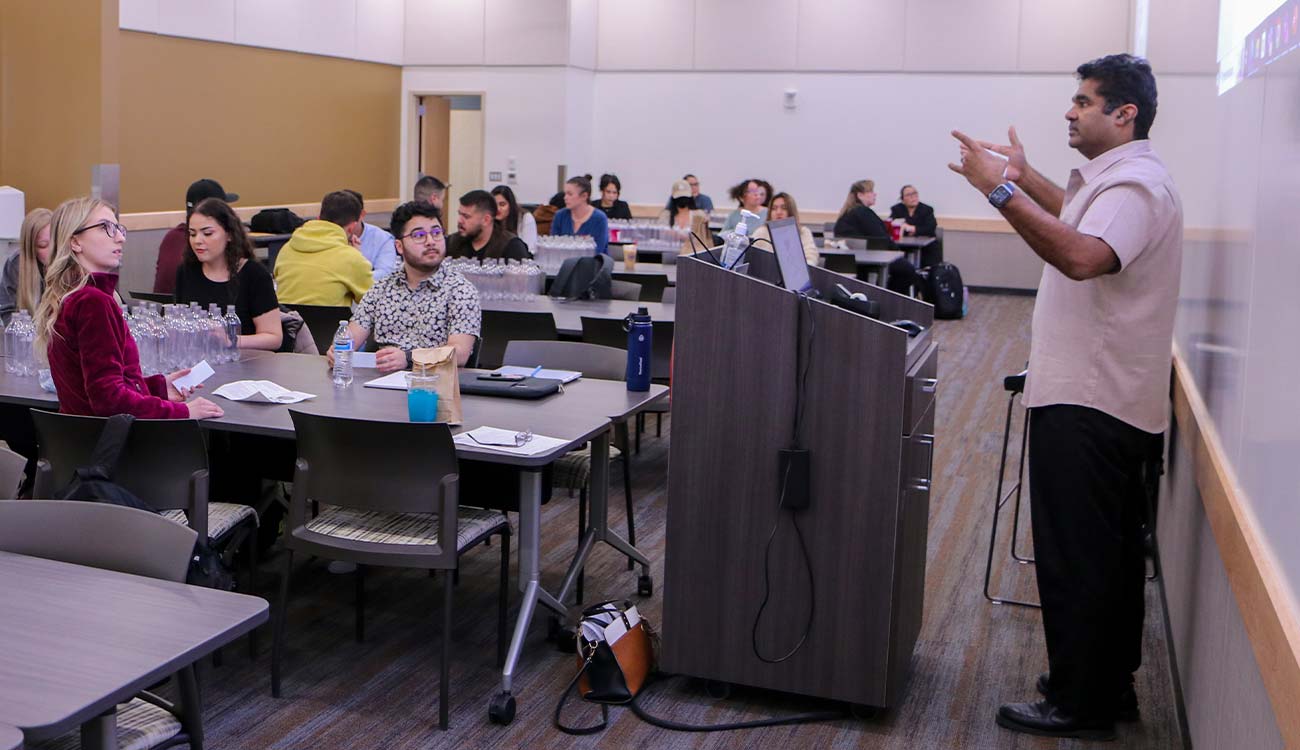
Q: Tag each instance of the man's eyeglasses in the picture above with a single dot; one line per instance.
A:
(109, 228)
(422, 235)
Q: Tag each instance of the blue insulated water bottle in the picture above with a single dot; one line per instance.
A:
(640, 335)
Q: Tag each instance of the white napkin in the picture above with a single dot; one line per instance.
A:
(261, 391)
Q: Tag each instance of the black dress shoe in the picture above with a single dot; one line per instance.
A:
(1046, 720)
(1126, 705)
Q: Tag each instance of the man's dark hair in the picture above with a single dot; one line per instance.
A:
(340, 207)
(428, 186)
(403, 214)
(480, 200)
(356, 195)
(1124, 79)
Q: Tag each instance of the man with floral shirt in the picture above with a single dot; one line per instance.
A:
(422, 303)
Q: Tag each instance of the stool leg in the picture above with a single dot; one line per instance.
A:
(998, 501)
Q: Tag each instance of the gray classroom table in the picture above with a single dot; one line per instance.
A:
(871, 260)
(568, 313)
(80, 640)
(581, 414)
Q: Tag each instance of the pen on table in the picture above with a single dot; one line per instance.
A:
(536, 370)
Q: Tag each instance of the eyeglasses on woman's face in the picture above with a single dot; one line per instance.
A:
(111, 228)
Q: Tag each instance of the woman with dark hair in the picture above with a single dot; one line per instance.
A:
(219, 268)
(751, 195)
(610, 190)
(580, 216)
(514, 218)
(918, 218)
(857, 219)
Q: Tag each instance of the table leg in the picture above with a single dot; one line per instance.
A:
(100, 733)
(530, 511)
(598, 519)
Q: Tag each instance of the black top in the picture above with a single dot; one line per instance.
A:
(504, 244)
(861, 223)
(923, 219)
(619, 210)
(255, 291)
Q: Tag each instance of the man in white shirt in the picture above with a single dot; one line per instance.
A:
(1098, 386)
(374, 243)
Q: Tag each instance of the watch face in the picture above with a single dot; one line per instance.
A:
(1000, 195)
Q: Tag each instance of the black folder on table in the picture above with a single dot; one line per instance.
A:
(528, 388)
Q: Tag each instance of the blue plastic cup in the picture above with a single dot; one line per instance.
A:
(421, 398)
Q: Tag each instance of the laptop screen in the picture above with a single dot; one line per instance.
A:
(789, 255)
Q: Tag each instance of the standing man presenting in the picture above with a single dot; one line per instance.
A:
(1098, 387)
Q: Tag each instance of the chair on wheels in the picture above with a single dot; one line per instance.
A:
(573, 470)
(500, 328)
(323, 322)
(610, 332)
(1015, 386)
(403, 511)
(164, 463)
(91, 534)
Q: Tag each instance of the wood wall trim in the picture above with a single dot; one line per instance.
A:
(169, 219)
(1267, 605)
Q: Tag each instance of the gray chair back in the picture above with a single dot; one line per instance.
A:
(501, 327)
(828, 229)
(164, 462)
(12, 466)
(98, 535)
(626, 290)
(592, 360)
(669, 296)
(395, 467)
(323, 322)
(609, 332)
(652, 284)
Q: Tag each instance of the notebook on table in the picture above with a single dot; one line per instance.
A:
(471, 383)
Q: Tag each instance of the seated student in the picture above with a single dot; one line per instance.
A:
(751, 195)
(79, 326)
(319, 265)
(424, 304)
(514, 218)
(683, 214)
(784, 207)
(702, 202)
(172, 248)
(23, 279)
(479, 235)
(580, 217)
(374, 243)
(431, 190)
(219, 268)
(610, 190)
(857, 219)
(918, 218)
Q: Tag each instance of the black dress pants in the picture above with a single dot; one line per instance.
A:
(1087, 473)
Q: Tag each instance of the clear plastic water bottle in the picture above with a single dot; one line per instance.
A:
(738, 240)
(233, 328)
(25, 340)
(11, 343)
(342, 356)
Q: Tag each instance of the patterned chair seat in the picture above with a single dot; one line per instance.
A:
(382, 527)
(222, 517)
(140, 725)
(573, 469)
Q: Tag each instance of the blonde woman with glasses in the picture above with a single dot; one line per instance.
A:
(80, 328)
(23, 278)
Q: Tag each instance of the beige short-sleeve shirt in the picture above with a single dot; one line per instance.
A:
(1105, 343)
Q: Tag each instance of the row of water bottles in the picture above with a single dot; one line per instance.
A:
(648, 235)
(20, 355)
(553, 249)
(502, 278)
(174, 337)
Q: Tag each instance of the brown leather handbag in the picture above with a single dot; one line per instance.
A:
(616, 656)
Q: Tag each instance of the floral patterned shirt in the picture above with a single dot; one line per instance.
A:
(444, 304)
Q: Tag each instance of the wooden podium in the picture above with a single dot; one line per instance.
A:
(868, 423)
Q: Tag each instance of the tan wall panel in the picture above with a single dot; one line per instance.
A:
(276, 127)
(52, 96)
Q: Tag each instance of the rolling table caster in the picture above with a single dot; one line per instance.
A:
(645, 587)
(502, 709)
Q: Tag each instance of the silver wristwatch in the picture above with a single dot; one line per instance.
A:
(1001, 194)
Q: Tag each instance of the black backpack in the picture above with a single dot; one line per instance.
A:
(942, 288)
(275, 221)
(584, 278)
(94, 483)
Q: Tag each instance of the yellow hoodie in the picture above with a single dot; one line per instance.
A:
(317, 266)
